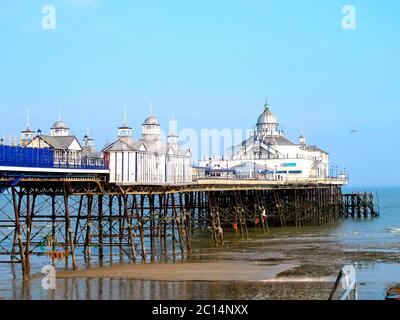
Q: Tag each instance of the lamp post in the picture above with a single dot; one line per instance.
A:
(39, 133)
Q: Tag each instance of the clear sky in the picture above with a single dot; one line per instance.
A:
(211, 64)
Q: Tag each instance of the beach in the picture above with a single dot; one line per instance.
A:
(287, 263)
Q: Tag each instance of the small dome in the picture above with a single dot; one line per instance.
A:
(60, 125)
(267, 117)
(151, 121)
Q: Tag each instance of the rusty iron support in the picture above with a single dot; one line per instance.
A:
(68, 224)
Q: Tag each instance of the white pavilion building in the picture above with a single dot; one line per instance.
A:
(268, 153)
(149, 160)
(67, 148)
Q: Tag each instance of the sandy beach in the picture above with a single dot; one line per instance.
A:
(296, 266)
(196, 271)
(292, 263)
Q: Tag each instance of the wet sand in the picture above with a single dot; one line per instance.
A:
(287, 264)
(192, 271)
(207, 280)
(292, 267)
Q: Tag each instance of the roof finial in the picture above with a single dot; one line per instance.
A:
(27, 118)
(59, 114)
(125, 123)
(266, 106)
(151, 108)
(87, 129)
(302, 129)
(173, 126)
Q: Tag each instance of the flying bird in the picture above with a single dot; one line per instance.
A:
(353, 131)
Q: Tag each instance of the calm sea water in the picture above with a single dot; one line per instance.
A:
(360, 235)
(381, 235)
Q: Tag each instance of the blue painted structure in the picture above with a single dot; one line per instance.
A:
(26, 157)
(42, 158)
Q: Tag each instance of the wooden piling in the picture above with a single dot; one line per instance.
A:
(100, 226)
(141, 223)
(130, 232)
(88, 240)
(110, 226)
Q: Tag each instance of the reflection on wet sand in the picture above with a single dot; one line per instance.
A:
(127, 289)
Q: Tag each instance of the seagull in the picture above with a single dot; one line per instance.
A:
(353, 131)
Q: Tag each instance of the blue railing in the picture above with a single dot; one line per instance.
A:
(44, 158)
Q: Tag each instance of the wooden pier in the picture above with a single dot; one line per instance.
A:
(358, 205)
(85, 217)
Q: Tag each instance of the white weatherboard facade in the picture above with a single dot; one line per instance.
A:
(268, 153)
(149, 160)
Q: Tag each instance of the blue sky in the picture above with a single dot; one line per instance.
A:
(211, 64)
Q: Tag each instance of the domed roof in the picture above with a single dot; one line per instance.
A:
(60, 125)
(151, 121)
(267, 117)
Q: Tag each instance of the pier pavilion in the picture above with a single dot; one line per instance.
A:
(268, 154)
(67, 149)
(149, 160)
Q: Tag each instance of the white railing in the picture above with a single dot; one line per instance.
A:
(154, 179)
(282, 180)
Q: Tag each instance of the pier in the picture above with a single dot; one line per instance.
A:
(145, 201)
(75, 215)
